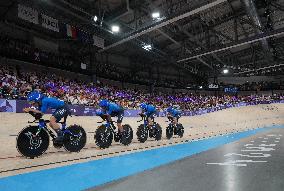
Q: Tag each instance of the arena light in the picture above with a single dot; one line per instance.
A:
(147, 47)
(225, 71)
(95, 18)
(156, 15)
(115, 28)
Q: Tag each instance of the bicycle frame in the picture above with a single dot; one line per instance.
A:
(42, 126)
(171, 119)
(145, 122)
(109, 124)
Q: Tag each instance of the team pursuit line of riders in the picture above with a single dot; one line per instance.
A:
(33, 140)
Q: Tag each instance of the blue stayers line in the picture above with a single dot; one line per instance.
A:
(93, 173)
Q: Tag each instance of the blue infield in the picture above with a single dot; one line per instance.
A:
(93, 173)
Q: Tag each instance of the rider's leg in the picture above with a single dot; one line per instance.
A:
(53, 124)
(56, 128)
(119, 122)
(150, 119)
(175, 121)
(56, 117)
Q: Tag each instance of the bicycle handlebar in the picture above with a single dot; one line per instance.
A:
(45, 121)
(108, 121)
(37, 120)
(143, 118)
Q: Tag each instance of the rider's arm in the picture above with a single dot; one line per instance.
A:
(142, 113)
(169, 115)
(42, 110)
(44, 106)
(110, 109)
(27, 110)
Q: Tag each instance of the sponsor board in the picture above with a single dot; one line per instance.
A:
(27, 14)
(7, 105)
(49, 23)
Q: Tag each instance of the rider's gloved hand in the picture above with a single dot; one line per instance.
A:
(38, 116)
(170, 117)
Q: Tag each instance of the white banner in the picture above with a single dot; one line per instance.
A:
(28, 14)
(49, 23)
(99, 42)
(83, 66)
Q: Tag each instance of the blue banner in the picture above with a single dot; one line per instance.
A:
(80, 110)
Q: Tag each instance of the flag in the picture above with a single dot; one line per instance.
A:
(71, 31)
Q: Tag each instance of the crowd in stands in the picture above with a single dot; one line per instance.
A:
(16, 84)
(24, 51)
(258, 86)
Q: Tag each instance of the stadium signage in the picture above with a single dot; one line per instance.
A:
(231, 90)
(49, 23)
(213, 86)
(99, 42)
(27, 14)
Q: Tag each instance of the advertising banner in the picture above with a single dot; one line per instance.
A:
(49, 23)
(99, 42)
(7, 105)
(81, 110)
(27, 14)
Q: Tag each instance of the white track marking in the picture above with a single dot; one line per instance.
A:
(237, 163)
(256, 149)
(248, 145)
(255, 155)
(265, 145)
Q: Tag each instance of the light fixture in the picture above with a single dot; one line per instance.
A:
(156, 15)
(95, 18)
(147, 47)
(225, 71)
(115, 28)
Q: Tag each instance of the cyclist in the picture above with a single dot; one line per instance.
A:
(148, 111)
(44, 103)
(110, 109)
(173, 114)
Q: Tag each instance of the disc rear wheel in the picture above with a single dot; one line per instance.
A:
(158, 133)
(75, 138)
